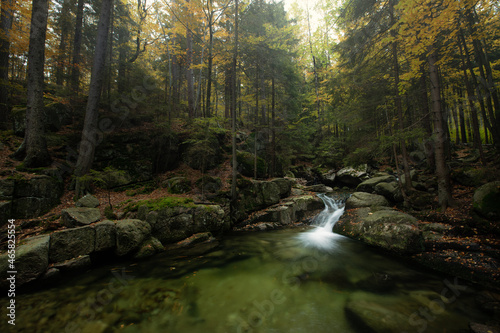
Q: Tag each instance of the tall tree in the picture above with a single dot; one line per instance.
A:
(233, 105)
(5, 27)
(37, 154)
(77, 46)
(90, 135)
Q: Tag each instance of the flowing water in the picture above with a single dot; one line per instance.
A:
(300, 280)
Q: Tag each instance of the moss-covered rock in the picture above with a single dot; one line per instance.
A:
(385, 228)
(369, 184)
(246, 164)
(486, 201)
(178, 185)
(130, 234)
(363, 199)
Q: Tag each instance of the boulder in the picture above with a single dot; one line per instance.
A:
(149, 248)
(363, 199)
(130, 234)
(76, 217)
(166, 154)
(389, 229)
(36, 196)
(71, 243)
(5, 212)
(389, 190)
(105, 235)
(32, 260)
(178, 185)
(209, 184)
(486, 201)
(18, 115)
(6, 189)
(320, 188)
(246, 165)
(328, 178)
(284, 186)
(369, 184)
(208, 218)
(353, 176)
(87, 201)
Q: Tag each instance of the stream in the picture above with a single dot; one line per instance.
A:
(297, 280)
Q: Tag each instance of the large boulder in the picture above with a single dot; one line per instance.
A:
(284, 186)
(79, 216)
(178, 185)
(32, 260)
(5, 212)
(36, 196)
(105, 235)
(363, 199)
(486, 201)
(353, 176)
(130, 234)
(369, 184)
(385, 228)
(71, 243)
(389, 190)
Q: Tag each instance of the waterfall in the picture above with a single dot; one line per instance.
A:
(322, 235)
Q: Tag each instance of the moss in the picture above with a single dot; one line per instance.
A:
(157, 204)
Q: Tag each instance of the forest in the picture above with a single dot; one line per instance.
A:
(160, 138)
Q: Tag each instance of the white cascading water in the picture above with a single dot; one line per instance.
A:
(322, 235)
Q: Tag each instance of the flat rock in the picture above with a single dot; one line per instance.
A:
(87, 201)
(80, 216)
(363, 199)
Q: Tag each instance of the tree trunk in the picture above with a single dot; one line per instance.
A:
(233, 114)
(5, 26)
(442, 172)
(91, 136)
(470, 92)
(399, 108)
(34, 143)
(189, 71)
(424, 102)
(273, 130)
(210, 62)
(77, 46)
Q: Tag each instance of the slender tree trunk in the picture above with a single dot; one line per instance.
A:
(233, 111)
(273, 130)
(77, 46)
(34, 143)
(442, 172)
(189, 71)
(65, 26)
(210, 62)
(461, 116)
(470, 92)
(91, 135)
(399, 108)
(424, 103)
(5, 26)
